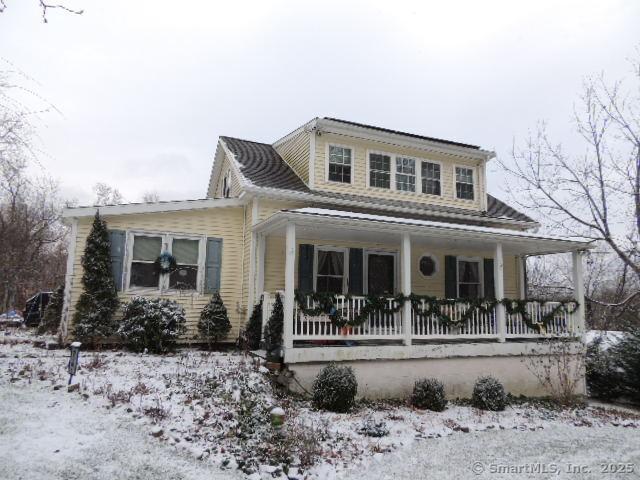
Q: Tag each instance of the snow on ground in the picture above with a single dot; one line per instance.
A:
(195, 414)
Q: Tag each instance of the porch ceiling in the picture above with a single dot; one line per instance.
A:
(336, 225)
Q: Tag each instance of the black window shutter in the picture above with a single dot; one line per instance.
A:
(213, 265)
(355, 271)
(305, 268)
(489, 285)
(450, 277)
(116, 248)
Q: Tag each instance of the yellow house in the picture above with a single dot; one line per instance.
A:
(356, 211)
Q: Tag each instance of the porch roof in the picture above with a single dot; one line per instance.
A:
(326, 224)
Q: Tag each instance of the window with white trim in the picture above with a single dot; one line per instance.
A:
(330, 271)
(339, 164)
(464, 183)
(469, 279)
(379, 170)
(405, 174)
(431, 178)
(148, 247)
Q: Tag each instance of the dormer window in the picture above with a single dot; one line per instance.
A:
(464, 183)
(405, 174)
(339, 164)
(431, 178)
(379, 170)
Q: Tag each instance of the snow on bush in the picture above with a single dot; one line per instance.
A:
(604, 380)
(372, 428)
(151, 323)
(429, 393)
(489, 394)
(335, 388)
(214, 322)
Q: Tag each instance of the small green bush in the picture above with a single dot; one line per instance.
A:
(214, 322)
(489, 394)
(429, 393)
(335, 388)
(273, 331)
(253, 330)
(151, 323)
(604, 379)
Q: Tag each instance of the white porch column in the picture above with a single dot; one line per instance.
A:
(260, 263)
(289, 269)
(522, 279)
(498, 281)
(405, 275)
(578, 291)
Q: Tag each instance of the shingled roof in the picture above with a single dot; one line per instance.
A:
(262, 166)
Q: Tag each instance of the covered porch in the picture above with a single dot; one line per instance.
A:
(435, 283)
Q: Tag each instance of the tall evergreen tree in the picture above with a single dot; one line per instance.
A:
(627, 357)
(274, 329)
(253, 330)
(53, 313)
(214, 322)
(98, 302)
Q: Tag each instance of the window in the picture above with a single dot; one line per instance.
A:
(405, 174)
(147, 248)
(339, 164)
(185, 276)
(330, 271)
(226, 184)
(143, 270)
(379, 170)
(469, 279)
(428, 265)
(431, 178)
(464, 183)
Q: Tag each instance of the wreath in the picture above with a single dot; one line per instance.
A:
(165, 263)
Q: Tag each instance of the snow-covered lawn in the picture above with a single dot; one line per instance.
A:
(200, 415)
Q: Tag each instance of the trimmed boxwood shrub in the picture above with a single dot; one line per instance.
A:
(429, 393)
(335, 388)
(151, 323)
(489, 394)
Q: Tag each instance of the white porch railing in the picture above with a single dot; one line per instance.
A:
(479, 325)
(563, 323)
(390, 326)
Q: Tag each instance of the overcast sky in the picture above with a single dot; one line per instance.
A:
(146, 87)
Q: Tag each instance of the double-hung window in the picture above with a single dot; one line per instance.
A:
(339, 164)
(379, 170)
(405, 174)
(469, 279)
(330, 271)
(144, 273)
(464, 183)
(431, 178)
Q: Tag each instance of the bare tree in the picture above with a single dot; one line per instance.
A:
(107, 195)
(150, 197)
(594, 194)
(44, 6)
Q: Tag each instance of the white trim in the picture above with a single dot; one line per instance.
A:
(436, 264)
(305, 127)
(242, 180)
(474, 173)
(312, 158)
(345, 266)
(289, 285)
(365, 260)
(156, 207)
(477, 260)
(397, 139)
(68, 279)
(326, 163)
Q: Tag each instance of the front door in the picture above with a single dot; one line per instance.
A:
(381, 269)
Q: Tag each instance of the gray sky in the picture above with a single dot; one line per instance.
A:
(146, 87)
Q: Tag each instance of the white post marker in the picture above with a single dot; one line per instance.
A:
(72, 366)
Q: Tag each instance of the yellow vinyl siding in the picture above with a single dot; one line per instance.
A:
(360, 173)
(236, 189)
(295, 151)
(225, 223)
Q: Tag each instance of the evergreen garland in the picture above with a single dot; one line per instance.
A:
(214, 322)
(423, 306)
(98, 302)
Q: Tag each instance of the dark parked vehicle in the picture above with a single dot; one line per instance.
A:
(34, 309)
